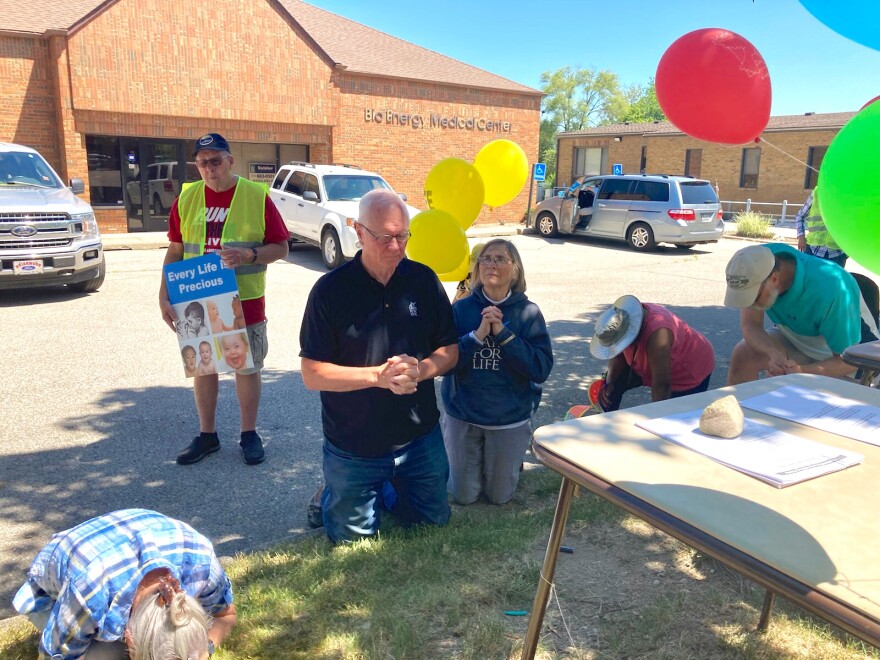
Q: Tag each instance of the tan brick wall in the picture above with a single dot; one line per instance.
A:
(404, 154)
(28, 112)
(781, 172)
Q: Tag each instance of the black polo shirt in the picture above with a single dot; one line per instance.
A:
(354, 321)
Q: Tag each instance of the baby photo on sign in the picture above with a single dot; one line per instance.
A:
(212, 336)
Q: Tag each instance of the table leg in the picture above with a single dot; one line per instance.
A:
(766, 610)
(542, 595)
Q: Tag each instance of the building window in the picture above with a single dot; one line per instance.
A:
(814, 160)
(693, 161)
(751, 161)
(643, 163)
(105, 177)
(588, 161)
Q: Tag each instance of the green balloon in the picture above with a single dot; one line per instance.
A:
(850, 194)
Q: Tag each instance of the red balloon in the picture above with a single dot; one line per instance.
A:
(714, 85)
(876, 98)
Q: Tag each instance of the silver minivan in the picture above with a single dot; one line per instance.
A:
(641, 209)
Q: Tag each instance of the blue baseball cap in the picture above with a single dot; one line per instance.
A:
(212, 141)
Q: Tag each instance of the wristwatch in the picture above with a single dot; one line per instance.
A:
(211, 648)
(254, 250)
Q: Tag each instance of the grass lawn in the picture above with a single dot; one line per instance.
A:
(628, 591)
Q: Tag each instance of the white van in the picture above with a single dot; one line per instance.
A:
(48, 235)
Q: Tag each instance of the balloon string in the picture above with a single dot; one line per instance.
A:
(785, 153)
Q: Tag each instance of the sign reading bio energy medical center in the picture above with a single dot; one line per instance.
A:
(433, 120)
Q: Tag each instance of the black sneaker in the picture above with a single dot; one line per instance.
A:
(252, 448)
(198, 449)
(314, 512)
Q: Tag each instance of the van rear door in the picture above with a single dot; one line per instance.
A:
(700, 196)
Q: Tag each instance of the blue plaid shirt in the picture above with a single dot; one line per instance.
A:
(86, 576)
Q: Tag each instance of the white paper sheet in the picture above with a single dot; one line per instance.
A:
(826, 412)
(761, 451)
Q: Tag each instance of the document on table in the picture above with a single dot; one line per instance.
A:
(826, 412)
(761, 451)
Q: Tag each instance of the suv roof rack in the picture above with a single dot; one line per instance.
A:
(354, 167)
(299, 162)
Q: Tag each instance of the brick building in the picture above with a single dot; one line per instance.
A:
(780, 167)
(116, 91)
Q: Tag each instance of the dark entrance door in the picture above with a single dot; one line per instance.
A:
(155, 171)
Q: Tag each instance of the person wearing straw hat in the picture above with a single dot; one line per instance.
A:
(647, 345)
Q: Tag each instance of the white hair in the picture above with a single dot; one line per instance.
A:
(179, 631)
(375, 203)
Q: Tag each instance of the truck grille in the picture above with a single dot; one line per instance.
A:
(33, 217)
(30, 244)
(52, 230)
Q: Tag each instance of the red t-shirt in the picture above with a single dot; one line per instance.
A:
(217, 206)
(692, 356)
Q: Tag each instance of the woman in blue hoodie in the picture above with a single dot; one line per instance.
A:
(504, 353)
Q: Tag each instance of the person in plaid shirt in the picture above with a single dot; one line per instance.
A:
(132, 581)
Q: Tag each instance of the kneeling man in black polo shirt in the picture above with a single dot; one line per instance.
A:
(375, 334)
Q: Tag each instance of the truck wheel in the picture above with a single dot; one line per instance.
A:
(92, 285)
(331, 250)
(158, 209)
(640, 237)
(547, 225)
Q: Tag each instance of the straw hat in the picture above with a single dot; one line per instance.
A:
(617, 328)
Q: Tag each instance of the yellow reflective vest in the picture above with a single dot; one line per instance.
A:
(245, 226)
(817, 234)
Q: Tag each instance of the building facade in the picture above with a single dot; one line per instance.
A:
(116, 92)
(779, 168)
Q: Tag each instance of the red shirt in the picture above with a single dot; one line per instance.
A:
(216, 207)
(692, 356)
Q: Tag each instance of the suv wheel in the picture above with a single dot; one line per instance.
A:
(546, 225)
(331, 251)
(92, 285)
(640, 237)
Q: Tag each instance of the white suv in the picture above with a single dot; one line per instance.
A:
(319, 205)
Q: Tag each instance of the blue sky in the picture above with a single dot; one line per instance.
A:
(812, 68)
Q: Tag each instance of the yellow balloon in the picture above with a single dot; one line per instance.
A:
(455, 186)
(505, 170)
(459, 273)
(437, 241)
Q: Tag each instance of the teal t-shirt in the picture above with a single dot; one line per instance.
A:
(823, 301)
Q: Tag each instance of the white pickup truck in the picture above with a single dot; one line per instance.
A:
(48, 235)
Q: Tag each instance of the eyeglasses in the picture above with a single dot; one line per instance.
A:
(495, 260)
(216, 161)
(385, 239)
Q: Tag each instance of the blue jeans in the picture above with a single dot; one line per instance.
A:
(353, 494)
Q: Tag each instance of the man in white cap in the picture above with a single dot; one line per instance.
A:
(815, 305)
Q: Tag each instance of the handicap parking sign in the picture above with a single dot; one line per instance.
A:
(540, 171)
(617, 169)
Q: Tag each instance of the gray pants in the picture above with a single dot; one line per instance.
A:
(484, 461)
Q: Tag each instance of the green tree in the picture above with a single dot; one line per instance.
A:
(637, 104)
(575, 99)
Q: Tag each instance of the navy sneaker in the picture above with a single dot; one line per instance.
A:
(252, 448)
(200, 447)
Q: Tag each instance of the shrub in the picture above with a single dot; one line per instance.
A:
(753, 224)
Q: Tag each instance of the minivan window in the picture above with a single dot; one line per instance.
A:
(651, 191)
(697, 192)
(615, 189)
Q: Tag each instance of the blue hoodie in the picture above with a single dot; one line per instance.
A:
(497, 383)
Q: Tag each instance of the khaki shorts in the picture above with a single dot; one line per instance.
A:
(788, 349)
(259, 347)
